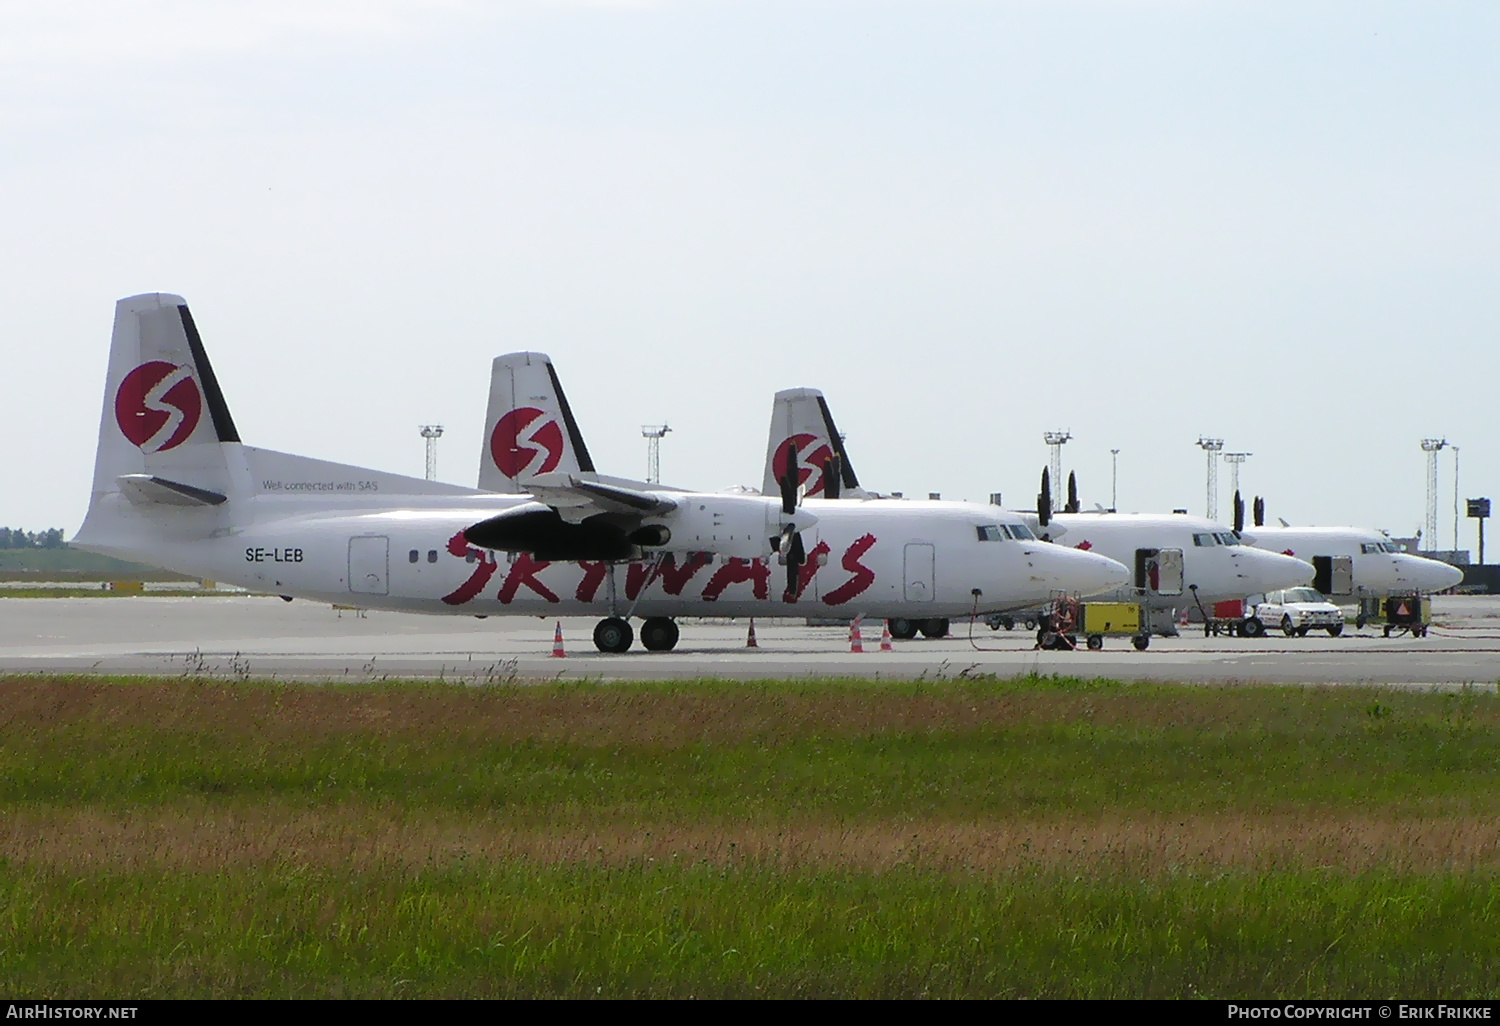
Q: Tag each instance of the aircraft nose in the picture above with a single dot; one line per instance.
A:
(1271, 571)
(1425, 575)
(1084, 573)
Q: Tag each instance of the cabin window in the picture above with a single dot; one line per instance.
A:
(432, 555)
(469, 556)
(412, 556)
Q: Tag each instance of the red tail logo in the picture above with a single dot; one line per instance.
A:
(809, 463)
(515, 443)
(158, 406)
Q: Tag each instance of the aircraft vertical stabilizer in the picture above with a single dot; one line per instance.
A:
(529, 428)
(800, 420)
(163, 416)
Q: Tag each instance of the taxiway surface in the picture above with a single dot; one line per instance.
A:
(246, 636)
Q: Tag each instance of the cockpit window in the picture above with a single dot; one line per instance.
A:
(1021, 532)
(1368, 547)
(1205, 541)
(992, 532)
(1227, 538)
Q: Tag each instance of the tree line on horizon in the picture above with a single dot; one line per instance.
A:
(16, 538)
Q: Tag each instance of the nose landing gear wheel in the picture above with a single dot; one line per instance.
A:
(659, 634)
(902, 630)
(613, 634)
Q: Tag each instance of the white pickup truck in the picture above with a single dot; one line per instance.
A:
(1295, 611)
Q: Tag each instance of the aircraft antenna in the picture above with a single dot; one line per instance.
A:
(432, 432)
(653, 433)
(1055, 441)
(1432, 446)
(1212, 446)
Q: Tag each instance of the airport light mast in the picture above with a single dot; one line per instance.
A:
(1055, 441)
(1432, 446)
(1114, 480)
(1455, 497)
(432, 432)
(1212, 447)
(653, 434)
(1234, 459)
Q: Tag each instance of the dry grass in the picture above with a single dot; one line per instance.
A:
(666, 715)
(207, 839)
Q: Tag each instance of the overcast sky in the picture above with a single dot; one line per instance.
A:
(967, 223)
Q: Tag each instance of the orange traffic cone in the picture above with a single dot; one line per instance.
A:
(750, 638)
(885, 638)
(557, 645)
(856, 641)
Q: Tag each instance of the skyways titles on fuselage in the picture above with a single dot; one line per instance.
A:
(674, 576)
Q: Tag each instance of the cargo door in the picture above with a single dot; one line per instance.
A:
(1159, 571)
(1170, 563)
(1334, 574)
(369, 565)
(919, 565)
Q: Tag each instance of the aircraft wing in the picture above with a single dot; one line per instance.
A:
(577, 498)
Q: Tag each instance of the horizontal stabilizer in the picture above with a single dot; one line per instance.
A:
(146, 490)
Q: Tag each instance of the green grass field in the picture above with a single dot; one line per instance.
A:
(1035, 837)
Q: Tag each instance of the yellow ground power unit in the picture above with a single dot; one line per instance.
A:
(1111, 618)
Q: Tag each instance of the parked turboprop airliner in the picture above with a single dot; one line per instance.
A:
(1356, 563)
(175, 487)
(1178, 561)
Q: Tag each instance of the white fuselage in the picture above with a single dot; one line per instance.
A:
(1373, 569)
(874, 558)
(1178, 561)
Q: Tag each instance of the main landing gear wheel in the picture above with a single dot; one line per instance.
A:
(1252, 627)
(659, 634)
(613, 634)
(935, 628)
(902, 629)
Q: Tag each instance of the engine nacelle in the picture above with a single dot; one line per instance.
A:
(726, 525)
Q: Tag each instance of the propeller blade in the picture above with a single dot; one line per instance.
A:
(1072, 506)
(788, 482)
(1239, 513)
(1044, 500)
(1260, 511)
(796, 556)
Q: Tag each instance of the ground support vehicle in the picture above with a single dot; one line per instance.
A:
(1062, 621)
(1295, 611)
(1407, 613)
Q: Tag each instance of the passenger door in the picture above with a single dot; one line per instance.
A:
(919, 563)
(369, 565)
